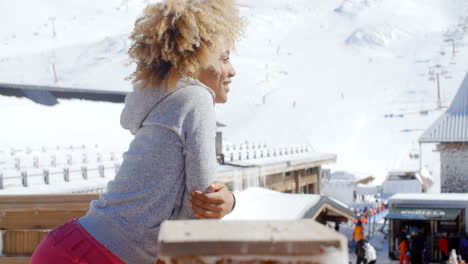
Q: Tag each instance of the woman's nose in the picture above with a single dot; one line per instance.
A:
(232, 72)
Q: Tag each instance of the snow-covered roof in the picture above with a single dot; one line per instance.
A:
(256, 204)
(288, 160)
(452, 126)
(430, 197)
(423, 177)
(48, 95)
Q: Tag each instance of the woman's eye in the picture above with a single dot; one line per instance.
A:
(226, 59)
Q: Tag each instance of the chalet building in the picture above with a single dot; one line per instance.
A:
(450, 132)
(298, 171)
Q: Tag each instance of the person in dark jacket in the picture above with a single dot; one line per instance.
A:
(416, 247)
(463, 248)
(360, 250)
(426, 253)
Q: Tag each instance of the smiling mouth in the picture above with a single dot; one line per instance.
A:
(226, 85)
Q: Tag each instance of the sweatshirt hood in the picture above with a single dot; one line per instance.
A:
(140, 102)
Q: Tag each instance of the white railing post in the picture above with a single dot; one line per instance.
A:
(66, 174)
(84, 172)
(24, 178)
(46, 176)
(53, 161)
(101, 171)
(36, 162)
(17, 164)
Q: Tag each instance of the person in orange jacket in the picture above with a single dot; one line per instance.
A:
(358, 231)
(404, 249)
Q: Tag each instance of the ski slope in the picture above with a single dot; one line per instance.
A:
(349, 77)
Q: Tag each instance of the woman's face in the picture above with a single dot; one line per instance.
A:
(219, 82)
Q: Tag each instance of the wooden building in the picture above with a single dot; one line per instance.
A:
(294, 172)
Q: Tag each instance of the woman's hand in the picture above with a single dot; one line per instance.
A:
(213, 205)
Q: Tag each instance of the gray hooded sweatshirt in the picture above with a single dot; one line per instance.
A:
(172, 154)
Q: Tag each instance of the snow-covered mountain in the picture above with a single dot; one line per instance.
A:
(351, 77)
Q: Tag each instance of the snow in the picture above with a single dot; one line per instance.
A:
(71, 122)
(356, 78)
(255, 204)
(347, 77)
(430, 197)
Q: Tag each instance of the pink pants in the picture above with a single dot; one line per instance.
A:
(71, 243)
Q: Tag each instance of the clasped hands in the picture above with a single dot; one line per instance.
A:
(213, 205)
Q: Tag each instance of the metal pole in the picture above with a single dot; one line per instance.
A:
(369, 227)
(420, 156)
(453, 47)
(439, 103)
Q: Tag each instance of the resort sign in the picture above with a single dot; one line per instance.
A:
(423, 213)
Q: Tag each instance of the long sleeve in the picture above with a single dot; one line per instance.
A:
(200, 149)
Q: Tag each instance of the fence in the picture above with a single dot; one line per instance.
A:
(29, 167)
(372, 221)
(35, 167)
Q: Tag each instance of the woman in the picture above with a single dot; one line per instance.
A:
(181, 50)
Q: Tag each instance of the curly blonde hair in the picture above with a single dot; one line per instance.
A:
(178, 38)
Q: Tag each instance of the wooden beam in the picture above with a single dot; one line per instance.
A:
(56, 202)
(326, 208)
(310, 179)
(21, 242)
(283, 186)
(280, 167)
(15, 260)
(37, 219)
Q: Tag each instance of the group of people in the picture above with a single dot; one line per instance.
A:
(369, 211)
(364, 251)
(446, 246)
(413, 247)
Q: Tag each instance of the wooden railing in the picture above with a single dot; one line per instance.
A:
(26, 219)
(238, 242)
